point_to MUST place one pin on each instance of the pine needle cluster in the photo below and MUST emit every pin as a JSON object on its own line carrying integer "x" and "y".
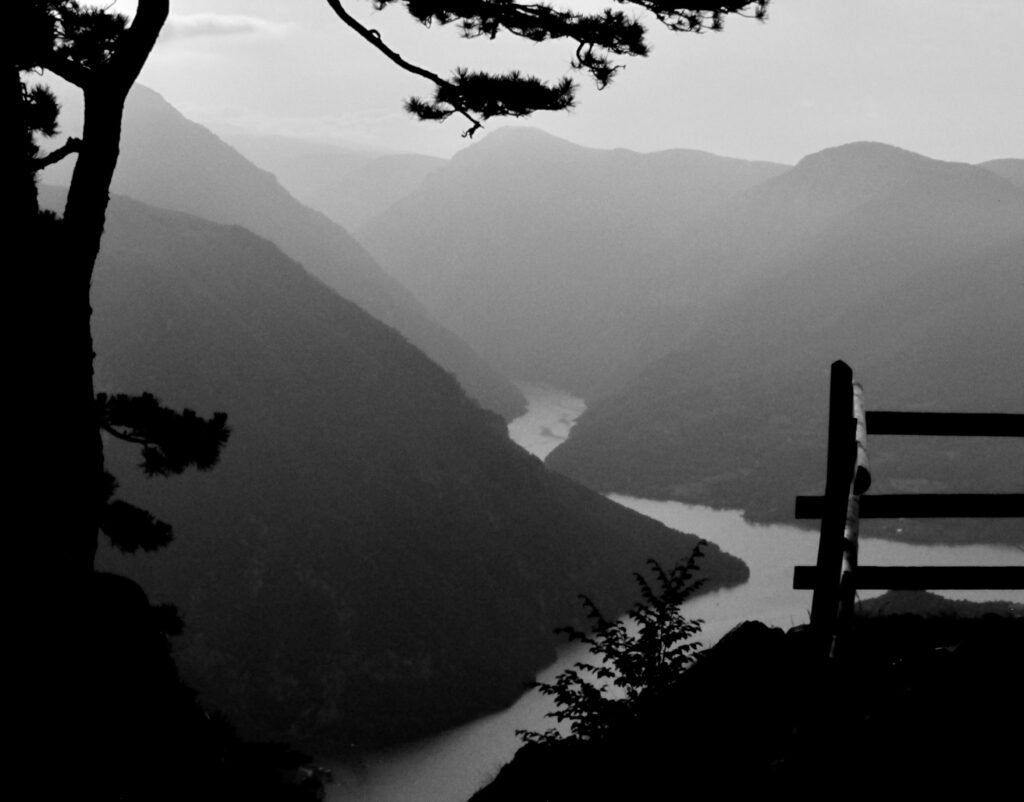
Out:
{"x": 596, "y": 42}
{"x": 171, "y": 442}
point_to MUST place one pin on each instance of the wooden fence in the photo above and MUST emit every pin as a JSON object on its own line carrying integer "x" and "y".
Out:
{"x": 837, "y": 576}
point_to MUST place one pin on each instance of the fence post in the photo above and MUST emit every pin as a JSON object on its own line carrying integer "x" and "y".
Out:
{"x": 861, "y": 481}
{"x": 839, "y": 474}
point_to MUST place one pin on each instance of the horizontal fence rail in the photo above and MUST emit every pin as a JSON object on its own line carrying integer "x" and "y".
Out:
{"x": 873, "y": 577}
{"x": 947, "y": 424}
{"x": 924, "y": 505}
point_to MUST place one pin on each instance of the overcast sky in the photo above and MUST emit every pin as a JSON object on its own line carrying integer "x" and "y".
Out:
{"x": 941, "y": 77}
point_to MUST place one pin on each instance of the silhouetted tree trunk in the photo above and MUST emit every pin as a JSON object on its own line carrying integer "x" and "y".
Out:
{"x": 54, "y": 439}
{"x": 66, "y": 361}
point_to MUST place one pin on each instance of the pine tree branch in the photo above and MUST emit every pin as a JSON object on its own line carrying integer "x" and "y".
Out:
{"x": 121, "y": 435}
{"x": 599, "y": 36}
{"x": 698, "y": 17}
{"x": 609, "y": 32}
{"x": 73, "y": 145}
{"x": 171, "y": 441}
{"x": 131, "y": 528}
{"x": 69, "y": 70}
{"x": 373, "y": 37}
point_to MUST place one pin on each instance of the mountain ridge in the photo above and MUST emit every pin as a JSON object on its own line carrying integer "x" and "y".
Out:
{"x": 350, "y": 186}
{"x": 915, "y": 285}
{"x": 174, "y": 163}
{"x": 538, "y": 251}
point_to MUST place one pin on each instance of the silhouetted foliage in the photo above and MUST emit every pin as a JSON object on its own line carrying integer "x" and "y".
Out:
{"x": 32, "y": 109}
{"x": 597, "y": 38}
{"x": 171, "y": 441}
{"x": 131, "y": 528}
{"x": 642, "y": 653}
{"x": 74, "y": 41}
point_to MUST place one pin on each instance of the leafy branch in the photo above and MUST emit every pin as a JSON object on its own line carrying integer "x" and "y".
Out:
{"x": 171, "y": 443}
{"x": 643, "y": 652}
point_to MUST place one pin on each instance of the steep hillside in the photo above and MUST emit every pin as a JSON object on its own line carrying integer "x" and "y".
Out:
{"x": 557, "y": 262}
{"x": 174, "y": 163}
{"x": 372, "y": 559}
{"x": 915, "y": 280}
{"x": 351, "y": 187}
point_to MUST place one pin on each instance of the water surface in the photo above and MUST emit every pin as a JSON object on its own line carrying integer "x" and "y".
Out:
{"x": 453, "y": 765}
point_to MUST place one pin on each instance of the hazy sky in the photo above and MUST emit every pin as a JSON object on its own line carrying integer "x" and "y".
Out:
{"x": 941, "y": 77}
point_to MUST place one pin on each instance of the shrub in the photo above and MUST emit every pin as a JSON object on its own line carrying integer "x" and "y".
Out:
{"x": 643, "y": 652}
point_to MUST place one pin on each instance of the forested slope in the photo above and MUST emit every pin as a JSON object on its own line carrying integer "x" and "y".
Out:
{"x": 372, "y": 559}
{"x": 174, "y": 163}
{"x": 911, "y": 271}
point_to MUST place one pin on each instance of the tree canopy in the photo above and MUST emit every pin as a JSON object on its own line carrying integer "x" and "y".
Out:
{"x": 597, "y": 41}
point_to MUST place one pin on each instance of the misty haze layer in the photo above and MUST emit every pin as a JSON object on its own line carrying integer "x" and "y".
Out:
{"x": 349, "y": 186}
{"x": 911, "y": 270}
{"x": 174, "y": 163}
{"x": 559, "y": 263}
{"x": 697, "y": 302}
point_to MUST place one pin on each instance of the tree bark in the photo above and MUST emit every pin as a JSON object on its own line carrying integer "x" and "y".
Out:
{"x": 54, "y": 434}
{"x": 76, "y": 527}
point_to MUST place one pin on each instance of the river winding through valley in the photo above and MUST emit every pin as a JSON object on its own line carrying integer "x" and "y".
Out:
{"x": 451, "y": 766}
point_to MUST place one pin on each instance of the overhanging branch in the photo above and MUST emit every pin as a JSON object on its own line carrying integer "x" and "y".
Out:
{"x": 373, "y": 37}
{"x": 67, "y": 69}
{"x": 71, "y": 146}
{"x": 122, "y": 435}
{"x": 598, "y": 38}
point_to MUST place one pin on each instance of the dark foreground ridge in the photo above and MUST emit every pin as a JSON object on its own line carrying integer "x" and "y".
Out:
{"x": 136, "y": 731}
{"x": 926, "y": 704}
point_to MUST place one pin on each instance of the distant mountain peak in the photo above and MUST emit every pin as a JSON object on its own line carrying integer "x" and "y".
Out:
{"x": 839, "y": 179}
{"x": 876, "y": 156}
{"x": 520, "y": 133}
{"x": 147, "y": 101}
{"x": 516, "y": 139}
